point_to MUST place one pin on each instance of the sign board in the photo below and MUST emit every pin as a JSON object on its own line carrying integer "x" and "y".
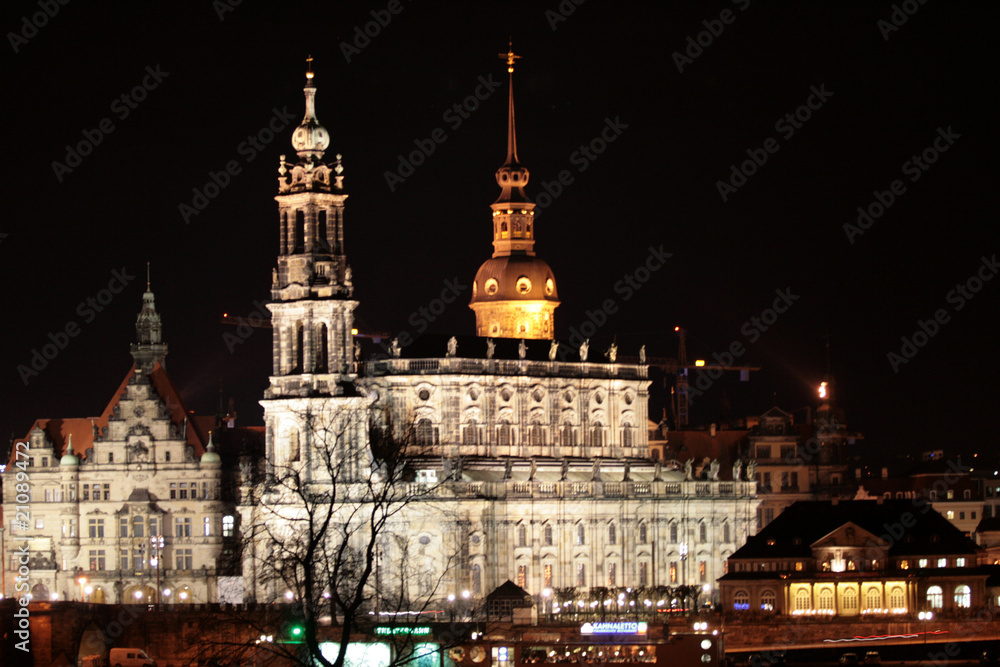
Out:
{"x": 403, "y": 630}
{"x": 614, "y": 628}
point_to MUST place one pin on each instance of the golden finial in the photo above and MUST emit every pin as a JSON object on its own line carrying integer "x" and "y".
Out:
{"x": 510, "y": 56}
{"x": 309, "y": 67}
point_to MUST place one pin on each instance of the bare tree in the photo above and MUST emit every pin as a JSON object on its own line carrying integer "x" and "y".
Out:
{"x": 330, "y": 539}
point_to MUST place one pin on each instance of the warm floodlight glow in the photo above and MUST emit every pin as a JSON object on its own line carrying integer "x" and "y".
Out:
{"x": 699, "y": 362}
{"x": 822, "y": 390}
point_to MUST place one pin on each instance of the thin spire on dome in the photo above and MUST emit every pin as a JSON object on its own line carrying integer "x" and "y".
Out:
{"x": 310, "y": 139}
{"x": 510, "y": 57}
{"x": 147, "y": 276}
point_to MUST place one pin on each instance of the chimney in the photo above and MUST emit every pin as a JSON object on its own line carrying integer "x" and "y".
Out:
{"x": 885, "y": 472}
{"x": 711, "y": 430}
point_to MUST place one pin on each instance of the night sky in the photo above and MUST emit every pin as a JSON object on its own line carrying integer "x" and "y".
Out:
{"x": 680, "y": 116}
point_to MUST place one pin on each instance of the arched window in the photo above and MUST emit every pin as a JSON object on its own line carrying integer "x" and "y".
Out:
{"x": 522, "y": 535}
{"x": 873, "y": 599}
{"x": 673, "y": 533}
{"x": 299, "y": 244}
{"x": 504, "y": 434}
{"x": 851, "y": 599}
{"x": 537, "y": 435}
{"x": 702, "y": 532}
{"x": 470, "y": 434}
{"x": 627, "y": 436}
{"x": 725, "y": 532}
{"x": 642, "y": 533}
{"x": 826, "y": 598}
{"x": 897, "y": 599}
{"x": 581, "y": 535}
{"x": 767, "y": 600}
{"x": 656, "y": 454}
{"x": 322, "y": 349}
{"x": 741, "y": 601}
{"x": 568, "y": 435}
{"x": 547, "y": 535}
{"x": 597, "y": 436}
{"x": 425, "y": 432}
{"x": 935, "y": 597}
{"x": 293, "y": 445}
{"x": 477, "y": 580}
{"x": 963, "y": 597}
{"x": 803, "y": 600}
{"x": 138, "y": 527}
{"x": 612, "y": 534}
{"x": 300, "y": 347}
{"x": 321, "y": 231}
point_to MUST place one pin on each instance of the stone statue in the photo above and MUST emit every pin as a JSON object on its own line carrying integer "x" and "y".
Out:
{"x": 627, "y": 472}
{"x": 584, "y": 349}
{"x": 490, "y": 348}
{"x": 348, "y": 274}
{"x": 553, "y": 350}
{"x": 713, "y": 470}
{"x": 612, "y": 353}
{"x": 395, "y": 348}
{"x": 452, "y": 346}
{"x": 642, "y": 354}
{"x": 751, "y": 470}
{"x": 737, "y": 470}
{"x": 508, "y": 468}
{"x": 274, "y": 276}
{"x": 657, "y": 469}
{"x": 688, "y": 473}
{"x": 522, "y": 350}
{"x": 597, "y": 470}
{"x": 532, "y": 470}
{"x": 564, "y": 473}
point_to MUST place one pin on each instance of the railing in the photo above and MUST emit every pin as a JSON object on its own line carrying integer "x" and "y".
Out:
{"x": 506, "y": 367}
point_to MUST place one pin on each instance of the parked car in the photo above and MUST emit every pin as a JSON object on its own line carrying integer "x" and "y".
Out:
{"x": 849, "y": 659}
{"x": 873, "y": 658}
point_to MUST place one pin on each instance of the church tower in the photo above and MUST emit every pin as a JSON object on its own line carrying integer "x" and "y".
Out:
{"x": 311, "y": 305}
{"x": 514, "y": 293}
{"x": 150, "y": 348}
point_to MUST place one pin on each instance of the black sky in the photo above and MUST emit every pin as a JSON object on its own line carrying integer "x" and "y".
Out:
{"x": 654, "y": 185}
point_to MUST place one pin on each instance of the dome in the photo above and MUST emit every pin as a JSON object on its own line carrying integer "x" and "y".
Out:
{"x": 514, "y": 278}
{"x": 210, "y": 455}
{"x": 69, "y": 459}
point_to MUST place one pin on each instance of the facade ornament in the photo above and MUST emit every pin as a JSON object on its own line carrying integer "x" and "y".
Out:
{"x": 611, "y": 354}
{"x": 452, "y": 346}
{"x": 564, "y": 473}
{"x": 584, "y": 349}
{"x": 627, "y": 472}
{"x": 522, "y": 350}
{"x": 395, "y": 348}
{"x": 737, "y": 470}
{"x": 751, "y": 470}
{"x": 642, "y": 354}
{"x": 657, "y": 469}
{"x": 597, "y": 470}
{"x": 713, "y": 470}
{"x": 348, "y": 274}
{"x": 490, "y": 348}
{"x": 553, "y": 350}
{"x": 688, "y": 472}
{"x": 508, "y": 470}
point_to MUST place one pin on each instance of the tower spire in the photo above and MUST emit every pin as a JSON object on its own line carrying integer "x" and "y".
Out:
{"x": 511, "y": 57}
{"x": 310, "y": 138}
{"x": 149, "y": 348}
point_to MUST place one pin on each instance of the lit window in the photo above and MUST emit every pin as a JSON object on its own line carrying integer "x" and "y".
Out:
{"x": 522, "y": 576}
{"x": 208, "y": 527}
{"x": 741, "y": 601}
{"x": 673, "y": 572}
{"x": 959, "y": 562}
{"x": 904, "y": 565}
{"x": 523, "y": 285}
{"x": 581, "y": 535}
{"x": 767, "y": 601}
{"x": 802, "y": 599}
{"x": 798, "y": 566}
{"x": 922, "y": 563}
{"x": 581, "y": 574}
{"x": 227, "y": 525}
{"x": 942, "y": 562}
{"x": 935, "y": 597}
{"x": 950, "y": 515}
{"x": 612, "y": 572}
{"x": 850, "y": 599}
{"x": 548, "y": 575}
{"x": 963, "y": 597}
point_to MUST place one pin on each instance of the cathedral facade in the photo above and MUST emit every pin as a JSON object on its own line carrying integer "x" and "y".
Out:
{"x": 521, "y": 466}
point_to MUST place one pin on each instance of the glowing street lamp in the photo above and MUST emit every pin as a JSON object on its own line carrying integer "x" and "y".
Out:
{"x": 83, "y": 583}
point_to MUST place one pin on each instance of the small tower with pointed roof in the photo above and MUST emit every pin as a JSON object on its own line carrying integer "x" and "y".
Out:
{"x": 311, "y": 291}
{"x": 150, "y": 348}
{"x": 514, "y": 294}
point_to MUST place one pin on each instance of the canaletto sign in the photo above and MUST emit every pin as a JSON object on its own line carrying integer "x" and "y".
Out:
{"x": 616, "y": 628}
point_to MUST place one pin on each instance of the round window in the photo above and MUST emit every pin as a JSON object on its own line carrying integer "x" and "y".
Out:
{"x": 492, "y": 286}
{"x": 523, "y": 285}
{"x": 505, "y": 394}
{"x": 424, "y": 539}
{"x": 550, "y": 287}
{"x": 424, "y": 394}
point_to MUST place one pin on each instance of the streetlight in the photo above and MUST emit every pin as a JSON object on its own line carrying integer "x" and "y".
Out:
{"x": 684, "y": 556}
{"x": 155, "y": 551}
{"x": 83, "y": 582}
{"x": 546, "y": 605}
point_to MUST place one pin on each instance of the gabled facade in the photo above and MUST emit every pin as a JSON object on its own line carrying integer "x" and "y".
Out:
{"x": 123, "y": 506}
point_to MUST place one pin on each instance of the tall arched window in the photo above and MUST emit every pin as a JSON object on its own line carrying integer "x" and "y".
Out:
{"x": 293, "y": 445}
{"x": 725, "y": 532}
{"x": 803, "y": 600}
{"x": 597, "y": 436}
{"x": 568, "y": 435}
{"x": 477, "y": 580}
{"x": 470, "y": 434}
{"x": 322, "y": 349}
{"x": 425, "y": 433}
{"x": 673, "y": 533}
{"x": 300, "y": 347}
{"x": 873, "y": 599}
{"x": 642, "y": 533}
{"x": 963, "y": 597}
{"x": 321, "y": 231}
{"x": 581, "y": 535}
{"x": 537, "y": 435}
{"x": 741, "y": 601}
{"x": 935, "y": 597}
{"x": 522, "y": 535}
{"x": 547, "y": 535}
{"x": 851, "y": 599}
{"x": 897, "y": 599}
{"x": 767, "y": 600}
{"x": 504, "y": 434}
{"x": 702, "y": 532}
{"x": 612, "y": 534}
{"x": 826, "y": 598}
{"x": 299, "y": 245}
{"x": 627, "y": 435}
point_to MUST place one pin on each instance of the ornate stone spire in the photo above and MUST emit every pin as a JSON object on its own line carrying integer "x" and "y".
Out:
{"x": 511, "y": 177}
{"x": 310, "y": 138}
{"x": 149, "y": 348}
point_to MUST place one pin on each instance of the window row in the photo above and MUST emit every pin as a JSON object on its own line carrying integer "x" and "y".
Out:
{"x": 138, "y": 559}
{"x": 642, "y": 534}
{"x": 506, "y": 434}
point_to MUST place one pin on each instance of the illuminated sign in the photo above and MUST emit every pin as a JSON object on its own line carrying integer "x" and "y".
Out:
{"x": 403, "y": 630}
{"x": 614, "y": 628}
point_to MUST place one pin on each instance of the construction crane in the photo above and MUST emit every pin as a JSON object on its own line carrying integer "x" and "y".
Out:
{"x": 679, "y": 367}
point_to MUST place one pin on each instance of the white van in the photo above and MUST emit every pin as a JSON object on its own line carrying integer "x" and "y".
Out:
{"x": 130, "y": 657}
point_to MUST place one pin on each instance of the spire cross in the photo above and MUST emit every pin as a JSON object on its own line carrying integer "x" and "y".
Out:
{"x": 147, "y": 276}
{"x": 309, "y": 67}
{"x": 510, "y": 56}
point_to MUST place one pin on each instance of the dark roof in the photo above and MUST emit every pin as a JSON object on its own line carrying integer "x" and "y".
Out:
{"x": 988, "y": 524}
{"x": 805, "y": 522}
{"x": 508, "y": 590}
